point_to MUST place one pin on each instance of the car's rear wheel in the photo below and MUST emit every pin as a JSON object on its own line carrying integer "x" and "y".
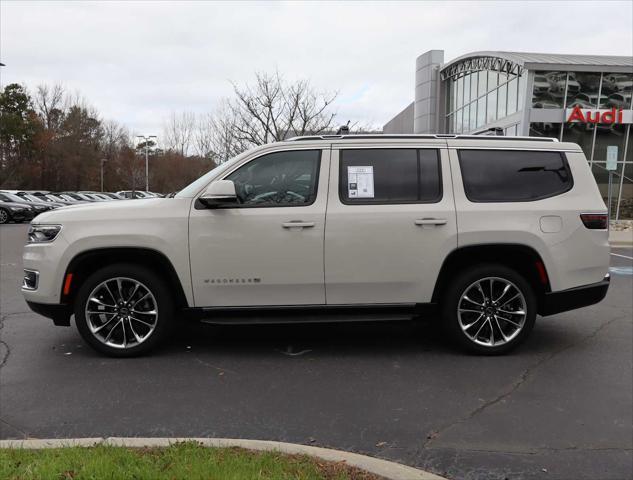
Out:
{"x": 489, "y": 309}
{"x": 4, "y": 216}
{"x": 123, "y": 310}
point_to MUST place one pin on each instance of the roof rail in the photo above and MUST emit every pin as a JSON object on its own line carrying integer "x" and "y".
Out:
{"x": 419, "y": 136}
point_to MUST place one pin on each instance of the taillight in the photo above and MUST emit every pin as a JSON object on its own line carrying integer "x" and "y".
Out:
{"x": 595, "y": 221}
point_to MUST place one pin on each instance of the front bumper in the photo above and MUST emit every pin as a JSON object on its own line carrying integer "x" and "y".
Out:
{"x": 59, "y": 313}
{"x": 578, "y": 297}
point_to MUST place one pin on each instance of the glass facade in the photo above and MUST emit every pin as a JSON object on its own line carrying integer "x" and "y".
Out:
{"x": 479, "y": 98}
{"x": 484, "y": 97}
{"x": 586, "y": 90}
{"x": 592, "y": 91}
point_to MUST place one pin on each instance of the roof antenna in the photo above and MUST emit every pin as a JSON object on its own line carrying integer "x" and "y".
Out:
{"x": 343, "y": 129}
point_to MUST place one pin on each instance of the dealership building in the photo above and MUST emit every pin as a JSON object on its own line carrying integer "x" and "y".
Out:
{"x": 585, "y": 99}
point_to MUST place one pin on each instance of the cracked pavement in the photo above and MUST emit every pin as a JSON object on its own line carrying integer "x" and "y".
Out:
{"x": 558, "y": 408}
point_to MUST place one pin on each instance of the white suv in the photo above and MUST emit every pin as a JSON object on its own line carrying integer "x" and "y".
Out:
{"x": 486, "y": 231}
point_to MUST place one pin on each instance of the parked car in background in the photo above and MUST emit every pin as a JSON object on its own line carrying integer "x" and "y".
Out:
{"x": 11, "y": 196}
{"x": 541, "y": 85}
{"x": 101, "y": 196}
{"x": 68, "y": 199}
{"x": 41, "y": 197}
{"x": 618, "y": 83}
{"x": 80, "y": 196}
{"x": 620, "y": 99}
{"x": 137, "y": 194}
{"x": 558, "y": 80}
{"x": 112, "y": 196}
{"x": 15, "y": 212}
{"x": 38, "y": 207}
{"x": 590, "y": 99}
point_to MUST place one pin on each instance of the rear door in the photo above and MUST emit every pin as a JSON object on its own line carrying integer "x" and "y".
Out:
{"x": 390, "y": 223}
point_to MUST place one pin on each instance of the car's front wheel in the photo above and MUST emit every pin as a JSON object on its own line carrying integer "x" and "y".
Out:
{"x": 123, "y": 310}
{"x": 489, "y": 309}
{"x": 4, "y": 216}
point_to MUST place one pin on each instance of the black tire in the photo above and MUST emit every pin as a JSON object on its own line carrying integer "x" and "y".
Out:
{"x": 160, "y": 294}
{"x": 5, "y": 216}
{"x": 469, "y": 279}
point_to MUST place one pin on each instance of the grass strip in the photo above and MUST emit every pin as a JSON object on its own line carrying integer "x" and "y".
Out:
{"x": 187, "y": 460}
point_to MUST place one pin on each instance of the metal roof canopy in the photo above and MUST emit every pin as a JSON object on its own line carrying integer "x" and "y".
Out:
{"x": 516, "y": 62}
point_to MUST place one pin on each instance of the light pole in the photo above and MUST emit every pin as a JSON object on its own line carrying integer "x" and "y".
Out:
{"x": 146, "y": 138}
{"x": 103, "y": 160}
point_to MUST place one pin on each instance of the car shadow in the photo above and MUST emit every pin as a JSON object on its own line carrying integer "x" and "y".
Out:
{"x": 357, "y": 338}
{"x": 353, "y": 338}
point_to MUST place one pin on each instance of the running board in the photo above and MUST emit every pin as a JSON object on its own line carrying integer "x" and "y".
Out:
{"x": 308, "y": 313}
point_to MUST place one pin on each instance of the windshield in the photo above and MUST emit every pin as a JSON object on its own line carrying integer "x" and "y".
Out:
{"x": 32, "y": 198}
{"x": 193, "y": 188}
{"x": 11, "y": 197}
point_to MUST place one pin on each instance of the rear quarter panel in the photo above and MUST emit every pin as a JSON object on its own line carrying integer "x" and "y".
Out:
{"x": 573, "y": 255}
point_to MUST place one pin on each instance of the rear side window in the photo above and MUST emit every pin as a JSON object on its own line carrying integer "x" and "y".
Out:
{"x": 513, "y": 175}
{"x": 384, "y": 176}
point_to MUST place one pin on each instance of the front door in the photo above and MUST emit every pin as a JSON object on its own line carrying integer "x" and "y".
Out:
{"x": 390, "y": 224}
{"x": 268, "y": 249}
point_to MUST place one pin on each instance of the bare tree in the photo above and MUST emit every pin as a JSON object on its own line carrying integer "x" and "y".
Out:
{"x": 203, "y": 137}
{"x": 178, "y": 132}
{"x": 216, "y": 136}
{"x": 272, "y": 109}
{"x": 49, "y": 104}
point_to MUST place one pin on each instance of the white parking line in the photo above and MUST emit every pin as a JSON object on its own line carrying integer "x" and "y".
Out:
{"x": 623, "y": 256}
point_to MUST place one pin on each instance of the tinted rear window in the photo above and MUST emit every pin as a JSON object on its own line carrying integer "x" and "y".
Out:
{"x": 513, "y": 175}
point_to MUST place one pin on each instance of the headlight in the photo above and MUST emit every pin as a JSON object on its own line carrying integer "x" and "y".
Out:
{"x": 17, "y": 209}
{"x": 43, "y": 233}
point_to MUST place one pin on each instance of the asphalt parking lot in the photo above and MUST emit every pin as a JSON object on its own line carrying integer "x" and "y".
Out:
{"x": 558, "y": 408}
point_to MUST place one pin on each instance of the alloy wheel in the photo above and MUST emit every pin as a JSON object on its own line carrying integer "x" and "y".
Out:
{"x": 121, "y": 312}
{"x": 4, "y": 216}
{"x": 492, "y": 311}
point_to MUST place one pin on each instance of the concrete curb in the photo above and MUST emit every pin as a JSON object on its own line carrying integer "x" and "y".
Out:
{"x": 384, "y": 468}
{"x": 621, "y": 244}
{"x": 621, "y": 238}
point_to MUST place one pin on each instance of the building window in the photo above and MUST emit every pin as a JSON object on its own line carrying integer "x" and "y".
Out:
{"x": 548, "y": 89}
{"x": 491, "y": 110}
{"x": 493, "y": 80}
{"x": 473, "y": 116}
{"x": 617, "y": 89}
{"x": 481, "y": 83}
{"x": 466, "y": 89}
{"x": 501, "y": 101}
{"x": 481, "y": 112}
{"x": 512, "y": 96}
{"x": 587, "y": 93}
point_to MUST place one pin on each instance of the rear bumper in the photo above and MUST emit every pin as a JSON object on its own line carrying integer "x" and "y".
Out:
{"x": 60, "y": 314}
{"x": 578, "y": 297}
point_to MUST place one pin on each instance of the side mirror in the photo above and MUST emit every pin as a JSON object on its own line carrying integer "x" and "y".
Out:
{"x": 219, "y": 194}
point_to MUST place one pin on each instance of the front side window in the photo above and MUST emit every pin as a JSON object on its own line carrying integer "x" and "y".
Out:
{"x": 384, "y": 176}
{"x": 278, "y": 179}
{"x": 513, "y": 175}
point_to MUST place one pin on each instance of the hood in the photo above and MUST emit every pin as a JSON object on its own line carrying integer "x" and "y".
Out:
{"x": 16, "y": 205}
{"x": 108, "y": 211}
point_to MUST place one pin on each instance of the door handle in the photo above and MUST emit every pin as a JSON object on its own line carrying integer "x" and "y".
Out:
{"x": 297, "y": 224}
{"x": 430, "y": 221}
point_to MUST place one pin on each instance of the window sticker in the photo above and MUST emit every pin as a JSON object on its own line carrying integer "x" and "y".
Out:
{"x": 360, "y": 182}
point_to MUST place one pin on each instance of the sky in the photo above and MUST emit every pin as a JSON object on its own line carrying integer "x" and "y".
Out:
{"x": 137, "y": 62}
